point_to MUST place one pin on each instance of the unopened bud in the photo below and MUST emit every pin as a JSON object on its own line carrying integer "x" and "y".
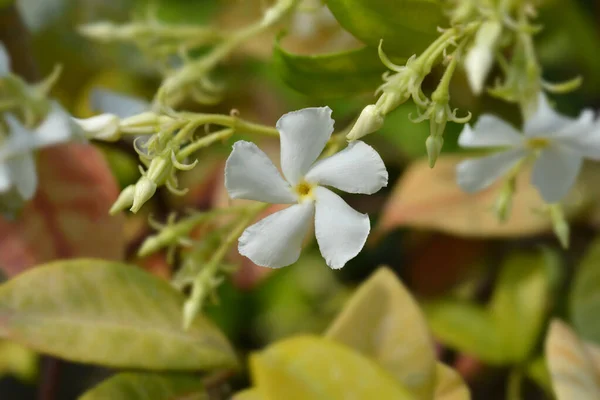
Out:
{"x": 98, "y": 30}
{"x": 144, "y": 190}
{"x": 124, "y": 201}
{"x": 369, "y": 121}
{"x": 101, "y": 127}
{"x": 389, "y": 101}
{"x": 434, "y": 146}
{"x": 146, "y": 122}
{"x": 480, "y": 58}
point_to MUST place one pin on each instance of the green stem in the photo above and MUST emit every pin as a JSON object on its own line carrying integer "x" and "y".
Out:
{"x": 204, "y": 142}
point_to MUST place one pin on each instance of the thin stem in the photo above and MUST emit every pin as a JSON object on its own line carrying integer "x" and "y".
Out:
{"x": 204, "y": 142}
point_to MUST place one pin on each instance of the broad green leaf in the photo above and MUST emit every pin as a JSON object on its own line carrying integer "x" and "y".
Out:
{"x": 384, "y": 322}
{"x": 248, "y": 394}
{"x": 340, "y": 74}
{"x": 107, "y": 313}
{"x": 521, "y": 294}
{"x": 406, "y": 26}
{"x": 449, "y": 384}
{"x": 467, "y": 327}
{"x": 18, "y": 361}
{"x": 574, "y": 370}
{"x": 68, "y": 217}
{"x": 584, "y": 300}
{"x": 309, "y": 367}
{"x": 148, "y": 386}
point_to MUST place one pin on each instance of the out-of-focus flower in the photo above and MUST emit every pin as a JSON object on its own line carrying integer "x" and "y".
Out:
{"x": 341, "y": 231}
{"x": 557, "y": 143}
{"x": 4, "y": 61}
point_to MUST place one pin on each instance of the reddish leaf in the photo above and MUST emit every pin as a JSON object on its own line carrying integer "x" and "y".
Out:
{"x": 68, "y": 217}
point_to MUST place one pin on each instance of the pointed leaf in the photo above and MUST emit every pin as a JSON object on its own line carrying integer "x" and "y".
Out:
{"x": 572, "y": 369}
{"x": 148, "y": 386}
{"x": 107, "y": 313}
{"x": 406, "y": 26}
{"x": 331, "y": 75}
{"x": 308, "y": 367}
{"x": 384, "y": 322}
{"x": 68, "y": 218}
{"x": 584, "y": 298}
{"x": 450, "y": 385}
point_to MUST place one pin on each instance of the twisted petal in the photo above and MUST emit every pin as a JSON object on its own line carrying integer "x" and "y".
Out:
{"x": 555, "y": 172}
{"x": 122, "y": 106}
{"x": 546, "y": 122}
{"x": 304, "y": 134}
{"x": 4, "y": 61}
{"x": 23, "y": 174}
{"x": 477, "y": 174}
{"x": 249, "y": 174}
{"x": 356, "y": 169}
{"x": 489, "y": 131}
{"x": 341, "y": 231}
{"x": 276, "y": 240}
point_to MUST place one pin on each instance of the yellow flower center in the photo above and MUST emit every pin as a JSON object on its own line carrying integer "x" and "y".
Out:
{"x": 304, "y": 190}
{"x": 538, "y": 143}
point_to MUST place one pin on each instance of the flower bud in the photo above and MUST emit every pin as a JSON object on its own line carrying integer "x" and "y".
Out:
{"x": 145, "y": 122}
{"x": 124, "y": 201}
{"x": 144, "y": 190}
{"x": 98, "y": 30}
{"x": 480, "y": 58}
{"x": 434, "y": 146}
{"x": 369, "y": 121}
{"x": 101, "y": 127}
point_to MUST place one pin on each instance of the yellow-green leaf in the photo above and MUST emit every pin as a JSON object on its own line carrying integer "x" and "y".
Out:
{"x": 449, "y": 384}
{"x": 308, "y": 367}
{"x": 571, "y": 365}
{"x": 384, "y": 322}
{"x": 148, "y": 386}
{"x": 248, "y": 394}
{"x": 406, "y": 26}
{"x": 18, "y": 361}
{"x": 107, "y": 313}
{"x": 584, "y": 301}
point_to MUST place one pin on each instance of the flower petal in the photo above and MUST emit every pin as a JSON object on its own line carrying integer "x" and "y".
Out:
{"x": 23, "y": 174}
{"x": 341, "y": 231}
{"x": 477, "y": 174}
{"x": 555, "y": 172}
{"x": 56, "y": 128}
{"x": 5, "y": 180}
{"x": 546, "y": 122}
{"x": 490, "y": 131}
{"x": 106, "y": 101}
{"x": 303, "y": 134}
{"x": 102, "y": 127}
{"x": 250, "y": 175}
{"x": 4, "y": 61}
{"x": 276, "y": 240}
{"x": 356, "y": 169}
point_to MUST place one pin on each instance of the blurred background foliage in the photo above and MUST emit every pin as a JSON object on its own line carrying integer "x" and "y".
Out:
{"x": 487, "y": 290}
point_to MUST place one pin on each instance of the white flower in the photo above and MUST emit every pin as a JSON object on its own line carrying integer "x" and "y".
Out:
{"x": 17, "y": 163}
{"x": 4, "y": 61}
{"x": 557, "y": 143}
{"x": 340, "y": 230}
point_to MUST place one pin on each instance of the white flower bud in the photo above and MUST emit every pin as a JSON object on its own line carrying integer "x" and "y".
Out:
{"x": 101, "y": 127}
{"x": 480, "y": 58}
{"x": 144, "y": 190}
{"x": 434, "y": 146}
{"x": 369, "y": 121}
{"x": 124, "y": 201}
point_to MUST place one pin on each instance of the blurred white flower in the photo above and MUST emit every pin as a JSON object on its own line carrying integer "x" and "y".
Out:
{"x": 4, "y": 61}
{"x": 557, "y": 143}
{"x": 341, "y": 231}
{"x": 17, "y": 162}
{"x": 480, "y": 58}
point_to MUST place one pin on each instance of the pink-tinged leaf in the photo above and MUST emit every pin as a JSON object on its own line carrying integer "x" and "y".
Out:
{"x": 68, "y": 217}
{"x": 431, "y": 199}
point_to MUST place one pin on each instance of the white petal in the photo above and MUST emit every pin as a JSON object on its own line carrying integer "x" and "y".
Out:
{"x": 23, "y": 174}
{"x": 341, "y": 231}
{"x": 20, "y": 139}
{"x": 303, "y": 134}
{"x": 109, "y": 102}
{"x": 477, "y": 174}
{"x": 56, "y": 128}
{"x": 249, "y": 174}
{"x": 4, "y": 61}
{"x": 555, "y": 172}
{"x": 545, "y": 122}
{"x": 276, "y": 240}
{"x": 489, "y": 131}
{"x": 102, "y": 127}
{"x": 5, "y": 179}
{"x": 478, "y": 63}
{"x": 356, "y": 169}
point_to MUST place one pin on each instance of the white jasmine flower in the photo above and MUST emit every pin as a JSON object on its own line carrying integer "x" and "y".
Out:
{"x": 341, "y": 231}
{"x": 17, "y": 163}
{"x": 4, "y": 61}
{"x": 557, "y": 143}
{"x": 480, "y": 58}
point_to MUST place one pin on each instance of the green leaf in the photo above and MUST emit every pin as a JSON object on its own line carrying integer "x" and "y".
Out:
{"x": 309, "y": 367}
{"x": 248, "y": 394}
{"x": 107, "y": 313}
{"x": 148, "y": 386}
{"x": 450, "y": 385}
{"x": 406, "y": 26}
{"x": 330, "y": 75}
{"x": 521, "y": 294}
{"x": 18, "y": 361}
{"x": 384, "y": 322}
{"x": 584, "y": 299}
